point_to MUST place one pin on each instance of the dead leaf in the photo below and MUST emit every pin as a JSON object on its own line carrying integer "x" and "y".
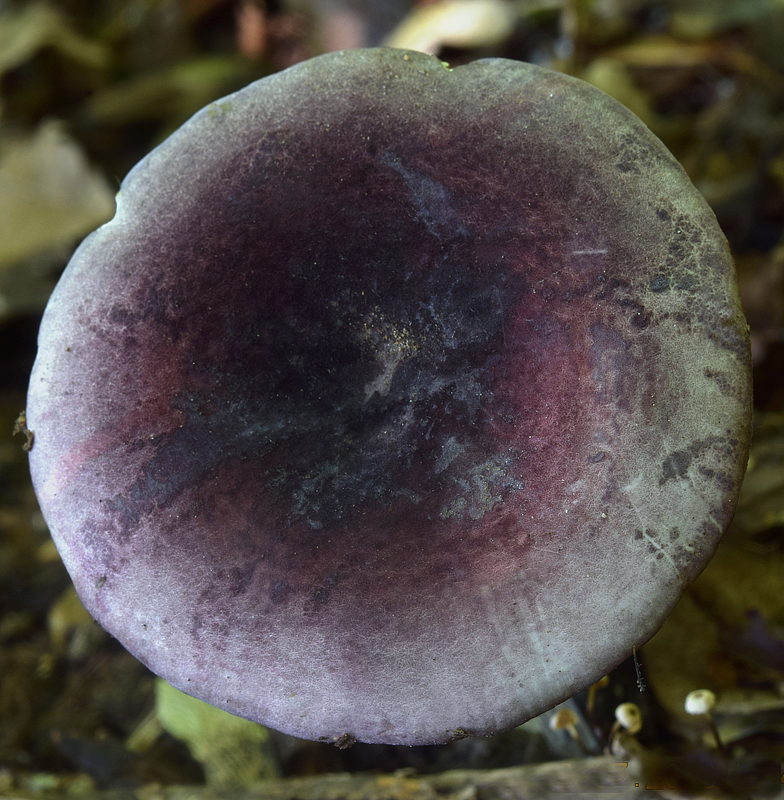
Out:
{"x": 38, "y": 25}
{"x": 761, "y": 503}
{"x": 701, "y": 19}
{"x": 465, "y": 24}
{"x": 693, "y": 649}
{"x": 233, "y": 751}
{"x": 50, "y": 195}
{"x": 611, "y": 76}
{"x": 172, "y": 93}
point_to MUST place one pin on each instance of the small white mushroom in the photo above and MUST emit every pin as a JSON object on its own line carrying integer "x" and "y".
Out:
{"x": 700, "y": 703}
{"x": 629, "y": 717}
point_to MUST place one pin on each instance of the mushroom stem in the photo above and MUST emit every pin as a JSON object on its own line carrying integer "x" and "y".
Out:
{"x": 590, "y": 704}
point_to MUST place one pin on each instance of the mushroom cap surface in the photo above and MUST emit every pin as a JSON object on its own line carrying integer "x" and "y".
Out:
{"x": 396, "y": 403}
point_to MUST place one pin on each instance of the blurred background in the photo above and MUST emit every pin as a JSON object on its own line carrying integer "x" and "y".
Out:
{"x": 87, "y": 88}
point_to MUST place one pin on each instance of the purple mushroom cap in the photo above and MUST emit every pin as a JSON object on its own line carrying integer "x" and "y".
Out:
{"x": 396, "y": 403}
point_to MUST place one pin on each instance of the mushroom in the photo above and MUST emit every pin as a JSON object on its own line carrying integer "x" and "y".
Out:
{"x": 622, "y": 742}
{"x": 700, "y": 703}
{"x": 628, "y": 717}
{"x": 397, "y": 403}
{"x": 565, "y": 718}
